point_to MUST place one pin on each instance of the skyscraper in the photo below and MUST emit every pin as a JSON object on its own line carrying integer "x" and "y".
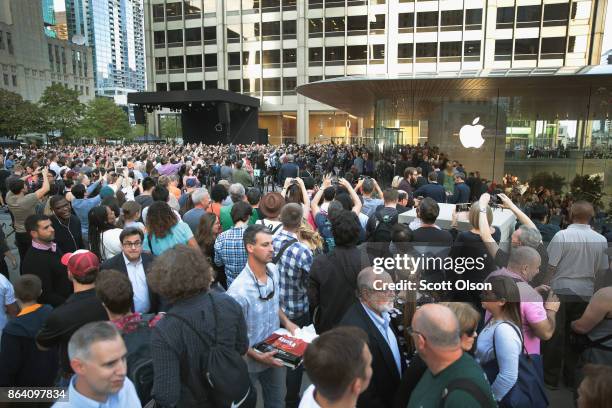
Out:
{"x": 114, "y": 29}
{"x": 48, "y": 13}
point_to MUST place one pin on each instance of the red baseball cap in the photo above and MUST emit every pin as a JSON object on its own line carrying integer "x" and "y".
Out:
{"x": 80, "y": 262}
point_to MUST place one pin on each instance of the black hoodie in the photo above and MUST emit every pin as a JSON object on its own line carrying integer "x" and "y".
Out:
{"x": 23, "y": 364}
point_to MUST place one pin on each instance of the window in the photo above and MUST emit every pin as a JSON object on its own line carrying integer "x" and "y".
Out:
{"x": 334, "y": 3}
{"x": 334, "y": 55}
{"x": 87, "y": 90}
{"x": 473, "y": 19}
{"x": 210, "y": 84}
{"x": 426, "y": 51}
{"x": 158, "y": 13}
{"x": 250, "y": 57}
{"x": 405, "y": 22}
{"x": 210, "y": 62}
{"x": 233, "y": 60}
{"x": 334, "y": 26}
{"x": 289, "y": 5}
{"x": 233, "y": 33}
{"x": 210, "y": 7}
{"x": 377, "y": 25}
{"x": 315, "y": 56}
{"x": 270, "y": 6}
{"x": 194, "y": 63}
{"x": 289, "y": 58}
{"x": 193, "y": 36}
{"x": 210, "y": 35}
{"x": 451, "y": 20}
{"x": 175, "y": 38}
{"x": 450, "y": 51}
{"x": 14, "y": 77}
{"x": 175, "y": 64}
{"x": 357, "y": 25}
{"x": 289, "y": 85}
{"x": 160, "y": 64}
{"x": 177, "y": 86}
{"x": 427, "y": 21}
{"x": 49, "y": 47}
{"x": 193, "y": 9}
{"x": 315, "y": 4}
{"x": 553, "y": 47}
{"x": 503, "y": 50}
{"x": 377, "y": 54}
{"x": 5, "y": 77}
{"x": 471, "y": 50}
{"x": 289, "y": 30}
{"x": 314, "y": 78}
{"x": 270, "y": 30}
{"x": 315, "y": 27}
{"x": 271, "y": 59}
{"x": 159, "y": 87}
{"x": 250, "y": 7}
{"x": 174, "y": 11}
{"x": 404, "y": 53}
{"x": 194, "y": 84}
{"x": 505, "y": 17}
{"x": 526, "y": 48}
{"x": 556, "y": 14}
{"x": 528, "y": 16}
{"x": 356, "y": 54}
{"x": 271, "y": 86}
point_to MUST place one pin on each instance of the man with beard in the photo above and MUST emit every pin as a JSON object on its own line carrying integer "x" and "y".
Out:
{"x": 371, "y": 314}
{"x": 67, "y": 226}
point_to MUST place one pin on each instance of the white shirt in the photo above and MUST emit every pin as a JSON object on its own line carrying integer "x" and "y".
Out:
{"x": 136, "y": 274}
{"x": 7, "y": 297}
{"x": 110, "y": 244}
{"x": 308, "y": 400}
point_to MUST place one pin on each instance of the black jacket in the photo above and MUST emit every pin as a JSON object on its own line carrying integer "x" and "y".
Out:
{"x": 433, "y": 190}
{"x": 332, "y": 287}
{"x": 461, "y": 194}
{"x": 23, "y": 364}
{"x": 385, "y": 377}
{"x": 118, "y": 263}
{"x": 69, "y": 237}
{"x": 48, "y": 267}
{"x": 287, "y": 170}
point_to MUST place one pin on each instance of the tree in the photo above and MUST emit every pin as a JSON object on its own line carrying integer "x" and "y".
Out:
{"x": 170, "y": 127}
{"x": 137, "y": 131}
{"x": 588, "y": 188}
{"x": 551, "y": 181}
{"x": 62, "y": 109}
{"x": 104, "y": 120}
{"x": 18, "y": 116}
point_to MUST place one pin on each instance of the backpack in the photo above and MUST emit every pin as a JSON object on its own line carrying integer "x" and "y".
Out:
{"x": 139, "y": 362}
{"x": 384, "y": 227}
{"x": 468, "y": 386}
{"x": 226, "y": 375}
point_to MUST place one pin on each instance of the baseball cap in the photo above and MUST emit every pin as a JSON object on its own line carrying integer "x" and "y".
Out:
{"x": 80, "y": 262}
{"x": 191, "y": 183}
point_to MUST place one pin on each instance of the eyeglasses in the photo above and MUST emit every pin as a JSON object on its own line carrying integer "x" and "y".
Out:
{"x": 136, "y": 244}
{"x": 269, "y": 295}
{"x": 471, "y": 332}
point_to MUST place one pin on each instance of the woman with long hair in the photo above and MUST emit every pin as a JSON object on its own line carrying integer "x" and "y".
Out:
{"x": 310, "y": 238}
{"x": 130, "y": 214}
{"x": 165, "y": 231}
{"x": 218, "y": 194}
{"x": 103, "y": 235}
{"x": 208, "y": 230}
{"x": 500, "y": 343}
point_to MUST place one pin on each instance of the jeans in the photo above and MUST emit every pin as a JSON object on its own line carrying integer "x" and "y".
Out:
{"x": 271, "y": 381}
{"x": 294, "y": 377}
{"x": 559, "y": 358}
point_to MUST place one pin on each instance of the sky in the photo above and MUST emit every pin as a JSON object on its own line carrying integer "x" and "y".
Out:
{"x": 607, "y": 40}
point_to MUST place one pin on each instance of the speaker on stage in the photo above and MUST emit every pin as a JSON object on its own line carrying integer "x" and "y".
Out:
{"x": 139, "y": 115}
{"x": 223, "y": 111}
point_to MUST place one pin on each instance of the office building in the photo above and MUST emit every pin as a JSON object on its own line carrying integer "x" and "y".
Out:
{"x": 30, "y": 61}
{"x": 114, "y": 30}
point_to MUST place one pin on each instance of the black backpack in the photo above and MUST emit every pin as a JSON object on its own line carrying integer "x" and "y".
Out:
{"x": 384, "y": 227}
{"x": 226, "y": 375}
{"x": 137, "y": 339}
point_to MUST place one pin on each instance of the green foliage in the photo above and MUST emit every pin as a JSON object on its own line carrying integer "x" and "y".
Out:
{"x": 104, "y": 120}
{"x": 588, "y": 188}
{"x": 170, "y": 126}
{"x": 547, "y": 180}
{"x": 62, "y": 109}
{"x": 18, "y": 116}
{"x": 137, "y": 131}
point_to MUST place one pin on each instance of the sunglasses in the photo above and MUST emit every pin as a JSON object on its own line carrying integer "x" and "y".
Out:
{"x": 471, "y": 332}
{"x": 269, "y": 295}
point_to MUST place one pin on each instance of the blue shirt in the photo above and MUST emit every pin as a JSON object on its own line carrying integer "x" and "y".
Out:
{"x": 231, "y": 253}
{"x": 126, "y": 397}
{"x": 293, "y": 268}
{"x": 382, "y": 324}
{"x": 180, "y": 233}
{"x": 261, "y": 316}
{"x": 81, "y": 207}
{"x": 193, "y": 217}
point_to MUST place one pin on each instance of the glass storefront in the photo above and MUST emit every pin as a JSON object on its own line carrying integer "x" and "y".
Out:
{"x": 282, "y": 126}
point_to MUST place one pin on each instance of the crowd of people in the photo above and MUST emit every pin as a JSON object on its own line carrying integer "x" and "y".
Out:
{"x": 148, "y": 274}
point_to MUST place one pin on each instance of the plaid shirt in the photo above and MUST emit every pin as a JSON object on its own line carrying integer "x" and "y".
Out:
{"x": 293, "y": 268}
{"x": 230, "y": 252}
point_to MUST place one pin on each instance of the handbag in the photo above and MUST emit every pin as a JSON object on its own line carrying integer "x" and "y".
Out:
{"x": 528, "y": 391}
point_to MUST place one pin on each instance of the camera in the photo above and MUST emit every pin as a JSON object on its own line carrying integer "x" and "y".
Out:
{"x": 463, "y": 207}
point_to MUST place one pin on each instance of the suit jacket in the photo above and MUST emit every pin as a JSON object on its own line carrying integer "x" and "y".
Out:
{"x": 288, "y": 170}
{"x": 118, "y": 263}
{"x": 385, "y": 377}
{"x": 461, "y": 194}
{"x": 433, "y": 190}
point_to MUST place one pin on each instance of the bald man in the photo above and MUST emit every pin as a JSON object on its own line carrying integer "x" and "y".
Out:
{"x": 452, "y": 379}
{"x": 371, "y": 314}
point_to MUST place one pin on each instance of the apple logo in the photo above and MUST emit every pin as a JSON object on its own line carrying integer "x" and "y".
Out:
{"x": 471, "y": 135}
